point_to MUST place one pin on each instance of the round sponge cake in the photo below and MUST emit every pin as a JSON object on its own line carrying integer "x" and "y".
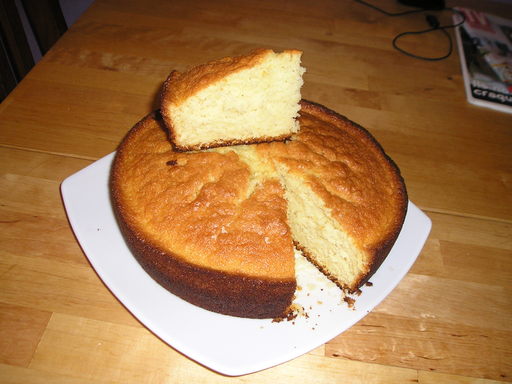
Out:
{"x": 218, "y": 227}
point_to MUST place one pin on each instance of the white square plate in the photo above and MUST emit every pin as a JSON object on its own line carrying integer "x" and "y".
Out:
{"x": 229, "y": 345}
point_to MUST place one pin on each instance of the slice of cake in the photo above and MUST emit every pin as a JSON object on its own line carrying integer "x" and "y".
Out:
{"x": 235, "y": 100}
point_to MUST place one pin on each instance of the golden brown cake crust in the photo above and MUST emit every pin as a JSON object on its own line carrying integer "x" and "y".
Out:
{"x": 229, "y": 294}
{"x": 188, "y": 83}
{"x": 181, "y": 85}
{"x": 190, "y": 225}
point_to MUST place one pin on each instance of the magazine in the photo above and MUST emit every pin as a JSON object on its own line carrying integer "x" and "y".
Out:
{"x": 485, "y": 50}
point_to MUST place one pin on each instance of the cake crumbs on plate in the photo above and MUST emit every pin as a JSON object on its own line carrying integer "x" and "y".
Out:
{"x": 350, "y": 301}
{"x": 294, "y": 311}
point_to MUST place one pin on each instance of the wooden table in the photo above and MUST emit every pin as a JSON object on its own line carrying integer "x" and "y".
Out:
{"x": 449, "y": 320}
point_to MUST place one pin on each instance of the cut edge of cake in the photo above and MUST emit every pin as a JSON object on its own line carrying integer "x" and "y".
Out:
{"x": 367, "y": 259}
{"x": 235, "y": 100}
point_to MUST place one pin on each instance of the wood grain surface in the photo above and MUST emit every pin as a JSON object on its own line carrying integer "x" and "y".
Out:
{"x": 448, "y": 321}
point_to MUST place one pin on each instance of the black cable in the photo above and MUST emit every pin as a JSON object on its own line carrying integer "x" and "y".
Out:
{"x": 434, "y": 26}
{"x": 450, "y": 48}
